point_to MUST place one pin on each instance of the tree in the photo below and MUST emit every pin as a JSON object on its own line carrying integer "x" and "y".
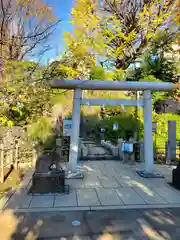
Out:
{"x": 25, "y": 98}
{"x": 161, "y": 60}
{"x": 78, "y": 43}
{"x": 176, "y": 19}
{"x": 64, "y": 68}
{"x": 71, "y": 65}
{"x": 25, "y": 27}
{"x": 119, "y": 30}
{"x": 159, "y": 63}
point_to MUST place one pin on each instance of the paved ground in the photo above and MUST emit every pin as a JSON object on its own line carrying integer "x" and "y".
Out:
{"x": 106, "y": 185}
{"x": 98, "y": 151}
{"x": 152, "y": 224}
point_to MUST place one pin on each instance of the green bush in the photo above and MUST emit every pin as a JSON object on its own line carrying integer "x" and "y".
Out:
{"x": 41, "y": 130}
{"x": 127, "y": 125}
{"x": 97, "y": 73}
{"x": 162, "y": 127}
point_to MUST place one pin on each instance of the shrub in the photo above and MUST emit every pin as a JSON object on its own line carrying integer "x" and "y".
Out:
{"x": 162, "y": 127}
{"x": 41, "y": 130}
{"x": 127, "y": 125}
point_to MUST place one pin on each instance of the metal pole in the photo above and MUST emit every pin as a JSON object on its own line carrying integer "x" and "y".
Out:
{"x": 73, "y": 156}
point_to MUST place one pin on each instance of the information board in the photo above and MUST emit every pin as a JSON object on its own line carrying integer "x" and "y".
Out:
{"x": 67, "y": 127}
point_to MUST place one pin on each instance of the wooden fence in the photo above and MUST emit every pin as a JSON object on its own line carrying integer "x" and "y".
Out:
{"x": 11, "y": 156}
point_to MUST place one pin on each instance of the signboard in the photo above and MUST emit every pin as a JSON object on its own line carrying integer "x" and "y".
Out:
{"x": 115, "y": 126}
{"x": 67, "y": 127}
{"x": 154, "y": 127}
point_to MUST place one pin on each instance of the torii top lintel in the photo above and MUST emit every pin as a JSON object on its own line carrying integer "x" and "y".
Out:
{"x": 113, "y": 85}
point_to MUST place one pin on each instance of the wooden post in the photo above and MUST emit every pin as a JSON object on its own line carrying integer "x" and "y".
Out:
{"x": 11, "y": 156}
{"x": 2, "y": 161}
{"x": 16, "y": 154}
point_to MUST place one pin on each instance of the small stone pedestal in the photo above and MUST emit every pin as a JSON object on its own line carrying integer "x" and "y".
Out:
{"x": 53, "y": 182}
{"x": 49, "y": 177}
{"x": 146, "y": 174}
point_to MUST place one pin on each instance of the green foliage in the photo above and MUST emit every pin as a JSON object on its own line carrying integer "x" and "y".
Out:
{"x": 159, "y": 63}
{"x": 27, "y": 97}
{"x": 18, "y": 113}
{"x": 114, "y": 31}
{"x": 23, "y": 71}
{"x": 97, "y": 73}
{"x": 62, "y": 70}
{"x": 41, "y": 130}
{"x": 162, "y": 69}
{"x": 119, "y": 75}
{"x": 162, "y": 128}
{"x": 127, "y": 125}
{"x": 4, "y": 121}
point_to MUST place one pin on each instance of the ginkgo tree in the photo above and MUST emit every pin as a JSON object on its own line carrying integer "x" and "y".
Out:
{"x": 118, "y": 30}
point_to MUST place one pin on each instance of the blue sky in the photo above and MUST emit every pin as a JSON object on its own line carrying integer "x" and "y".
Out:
{"x": 62, "y": 10}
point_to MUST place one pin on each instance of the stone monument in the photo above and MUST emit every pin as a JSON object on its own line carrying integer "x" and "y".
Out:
{"x": 171, "y": 144}
{"x": 49, "y": 177}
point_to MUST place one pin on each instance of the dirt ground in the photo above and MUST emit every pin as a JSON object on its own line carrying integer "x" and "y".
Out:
{"x": 12, "y": 180}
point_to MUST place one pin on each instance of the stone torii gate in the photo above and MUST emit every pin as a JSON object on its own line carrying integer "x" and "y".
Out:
{"x": 146, "y": 103}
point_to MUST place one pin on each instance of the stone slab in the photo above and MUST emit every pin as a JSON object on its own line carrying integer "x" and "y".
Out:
{"x": 150, "y": 196}
{"x": 42, "y": 201}
{"x": 95, "y": 173}
{"x": 108, "y": 196}
{"x": 125, "y": 181}
{"x": 51, "y": 209}
{"x": 129, "y": 196}
{"x": 87, "y": 197}
{"x": 97, "y": 164}
{"x": 75, "y": 183}
{"x": 140, "y": 182}
{"x": 133, "y": 181}
{"x": 109, "y": 182}
{"x": 102, "y": 208}
{"x": 109, "y": 172}
{"x": 159, "y": 183}
{"x": 69, "y": 200}
{"x": 16, "y": 202}
{"x": 170, "y": 195}
{"x": 92, "y": 182}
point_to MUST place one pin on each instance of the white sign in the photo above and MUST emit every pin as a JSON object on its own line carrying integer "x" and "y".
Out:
{"x": 115, "y": 126}
{"x": 67, "y": 127}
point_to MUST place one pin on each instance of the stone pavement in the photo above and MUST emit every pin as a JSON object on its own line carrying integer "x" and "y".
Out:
{"x": 131, "y": 224}
{"x": 106, "y": 185}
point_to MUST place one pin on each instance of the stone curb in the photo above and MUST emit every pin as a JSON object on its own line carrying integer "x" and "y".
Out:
{"x": 96, "y": 208}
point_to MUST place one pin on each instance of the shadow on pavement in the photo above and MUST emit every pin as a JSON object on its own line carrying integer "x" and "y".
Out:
{"x": 102, "y": 225}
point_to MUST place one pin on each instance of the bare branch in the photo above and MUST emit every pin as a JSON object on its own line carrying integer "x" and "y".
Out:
{"x": 29, "y": 31}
